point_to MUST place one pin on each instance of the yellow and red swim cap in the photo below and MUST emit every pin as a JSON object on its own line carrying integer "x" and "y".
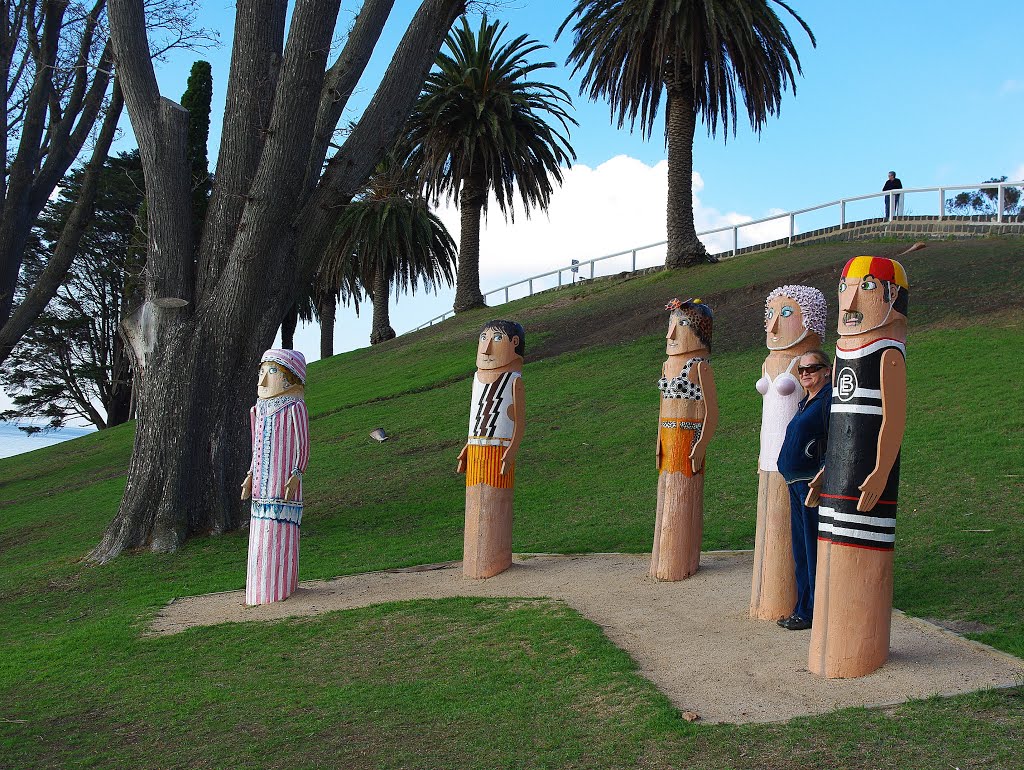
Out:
{"x": 880, "y": 267}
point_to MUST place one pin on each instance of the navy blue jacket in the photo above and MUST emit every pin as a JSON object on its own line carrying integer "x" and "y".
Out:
{"x": 803, "y": 451}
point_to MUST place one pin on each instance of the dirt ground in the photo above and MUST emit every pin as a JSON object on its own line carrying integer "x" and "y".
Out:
{"x": 693, "y": 639}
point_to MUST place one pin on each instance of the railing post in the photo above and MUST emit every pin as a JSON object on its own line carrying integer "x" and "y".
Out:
{"x": 889, "y": 197}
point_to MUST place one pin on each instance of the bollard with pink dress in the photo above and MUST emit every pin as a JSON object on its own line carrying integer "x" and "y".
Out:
{"x": 280, "y": 452}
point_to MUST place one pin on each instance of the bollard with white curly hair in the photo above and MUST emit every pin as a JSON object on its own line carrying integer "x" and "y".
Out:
{"x": 794, "y": 323}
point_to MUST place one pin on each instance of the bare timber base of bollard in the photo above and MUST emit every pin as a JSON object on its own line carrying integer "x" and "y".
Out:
{"x": 773, "y": 588}
{"x": 487, "y": 543}
{"x": 852, "y": 611}
{"x": 679, "y": 526}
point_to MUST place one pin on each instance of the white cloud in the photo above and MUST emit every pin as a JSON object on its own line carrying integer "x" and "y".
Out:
{"x": 1011, "y": 86}
{"x": 617, "y": 206}
{"x": 1018, "y": 174}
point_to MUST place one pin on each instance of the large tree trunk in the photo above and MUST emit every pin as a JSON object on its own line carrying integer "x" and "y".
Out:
{"x": 187, "y": 479}
{"x": 684, "y": 247}
{"x": 264, "y": 234}
{"x": 381, "y": 330}
{"x": 327, "y": 310}
{"x": 467, "y": 287}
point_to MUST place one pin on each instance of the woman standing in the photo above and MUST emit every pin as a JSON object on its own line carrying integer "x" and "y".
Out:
{"x": 689, "y": 415}
{"x": 794, "y": 323}
{"x": 801, "y": 458}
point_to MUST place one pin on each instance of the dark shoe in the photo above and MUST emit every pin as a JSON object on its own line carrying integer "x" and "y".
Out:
{"x": 796, "y": 624}
{"x": 783, "y": 621}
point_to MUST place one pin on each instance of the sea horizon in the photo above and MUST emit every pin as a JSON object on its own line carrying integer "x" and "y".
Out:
{"x": 14, "y": 441}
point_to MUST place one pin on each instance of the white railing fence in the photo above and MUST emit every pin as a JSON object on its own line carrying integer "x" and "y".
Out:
{"x": 756, "y": 231}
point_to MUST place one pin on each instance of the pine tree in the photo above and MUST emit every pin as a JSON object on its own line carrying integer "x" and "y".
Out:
{"x": 197, "y": 99}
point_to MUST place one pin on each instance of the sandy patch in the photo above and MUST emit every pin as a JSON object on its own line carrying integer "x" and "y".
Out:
{"x": 693, "y": 639}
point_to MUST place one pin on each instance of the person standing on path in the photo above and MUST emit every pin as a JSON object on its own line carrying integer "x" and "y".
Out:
{"x": 892, "y": 183}
{"x": 801, "y": 458}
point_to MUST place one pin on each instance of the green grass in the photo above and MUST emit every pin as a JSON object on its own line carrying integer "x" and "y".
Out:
{"x": 505, "y": 683}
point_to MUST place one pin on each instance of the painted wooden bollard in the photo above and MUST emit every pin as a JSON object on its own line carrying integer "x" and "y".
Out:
{"x": 860, "y": 480}
{"x": 688, "y": 418}
{"x": 496, "y": 423}
{"x": 794, "y": 322}
{"x": 280, "y": 452}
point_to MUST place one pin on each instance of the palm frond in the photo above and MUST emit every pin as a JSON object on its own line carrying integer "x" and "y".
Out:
{"x": 724, "y": 51}
{"x": 481, "y": 119}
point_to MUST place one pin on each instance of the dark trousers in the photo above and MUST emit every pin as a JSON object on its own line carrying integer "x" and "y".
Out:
{"x": 895, "y": 200}
{"x": 804, "y": 523}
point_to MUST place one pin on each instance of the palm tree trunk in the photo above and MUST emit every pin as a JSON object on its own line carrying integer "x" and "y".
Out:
{"x": 467, "y": 287}
{"x": 381, "y": 331}
{"x": 684, "y": 247}
{"x": 291, "y": 320}
{"x": 326, "y": 312}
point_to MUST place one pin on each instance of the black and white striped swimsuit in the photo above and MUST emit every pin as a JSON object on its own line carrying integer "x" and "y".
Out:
{"x": 854, "y": 425}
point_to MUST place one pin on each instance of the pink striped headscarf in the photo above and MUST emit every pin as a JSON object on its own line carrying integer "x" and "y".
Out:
{"x": 292, "y": 360}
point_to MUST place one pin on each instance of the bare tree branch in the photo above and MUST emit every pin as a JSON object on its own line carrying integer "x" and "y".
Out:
{"x": 255, "y": 63}
{"x": 67, "y": 245}
{"x": 342, "y": 77}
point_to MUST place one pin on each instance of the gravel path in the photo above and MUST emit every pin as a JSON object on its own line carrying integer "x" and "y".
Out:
{"x": 693, "y": 638}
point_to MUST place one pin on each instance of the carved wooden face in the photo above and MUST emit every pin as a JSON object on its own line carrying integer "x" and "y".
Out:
{"x": 866, "y": 304}
{"x": 496, "y": 350}
{"x": 274, "y": 380}
{"x": 783, "y": 323}
{"x": 681, "y": 337}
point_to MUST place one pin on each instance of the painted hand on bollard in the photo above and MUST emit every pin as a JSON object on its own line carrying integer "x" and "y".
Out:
{"x": 814, "y": 495}
{"x": 291, "y": 488}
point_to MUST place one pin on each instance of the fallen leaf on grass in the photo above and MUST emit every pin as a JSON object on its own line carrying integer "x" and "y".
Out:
{"x": 691, "y": 716}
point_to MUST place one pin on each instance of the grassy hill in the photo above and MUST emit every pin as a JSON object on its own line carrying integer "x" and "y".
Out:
{"x": 487, "y": 683}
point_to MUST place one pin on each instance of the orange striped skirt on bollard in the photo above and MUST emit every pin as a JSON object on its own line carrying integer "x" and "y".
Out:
{"x": 483, "y": 466}
{"x": 677, "y": 440}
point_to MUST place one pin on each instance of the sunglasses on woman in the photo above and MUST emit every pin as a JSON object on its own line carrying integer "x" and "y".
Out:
{"x": 810, "y": 369}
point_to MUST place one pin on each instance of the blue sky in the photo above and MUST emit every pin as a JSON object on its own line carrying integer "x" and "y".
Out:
{"x": 931, "y": 89}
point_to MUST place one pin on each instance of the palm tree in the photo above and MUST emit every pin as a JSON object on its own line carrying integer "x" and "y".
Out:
{"x": 702, "y": 54}
{"x": 319, "y": 303}
{"x": 481, "y": 125}
{"x": 386, "y": 236}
